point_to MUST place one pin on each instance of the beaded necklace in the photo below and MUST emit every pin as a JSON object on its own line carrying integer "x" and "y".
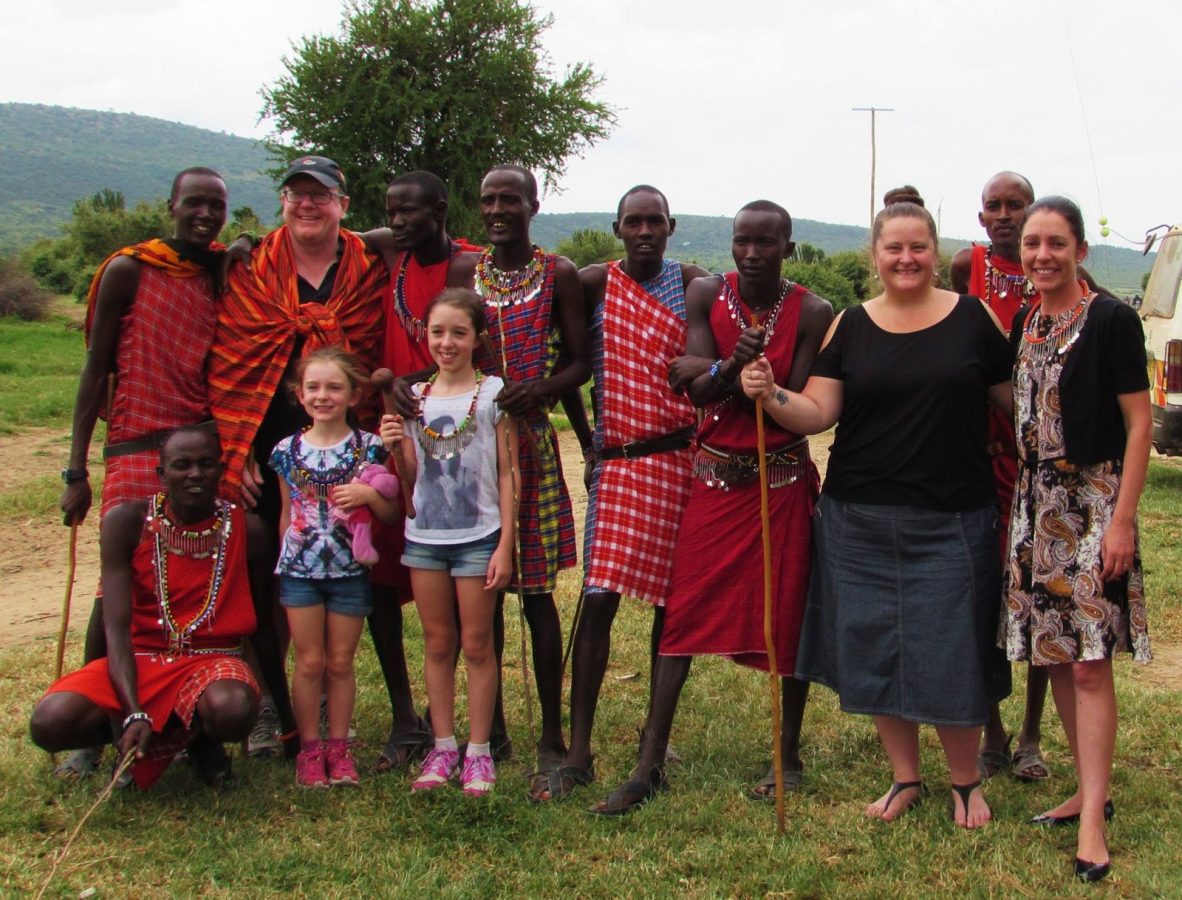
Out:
{"x": 416, "y": 327}
{"x": 182, "y": 542}
{"x": 319, "y": 485}
{"x": 500, "y": 288}
{"x": 739, "y": 315}
{"x": 1002, "y": 283}
{"x": 1061, "y": 331}
{"x": 180, "y": 637}
{"x": 445, "y": 445}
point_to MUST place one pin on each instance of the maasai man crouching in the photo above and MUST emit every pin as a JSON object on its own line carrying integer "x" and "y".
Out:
{"x": 716, "y": 603}
{"x": 533, "y": 306}
{"x": 150, "y": 321}
{"x": 176, "y": 607}
{"x": 644, "y": 426}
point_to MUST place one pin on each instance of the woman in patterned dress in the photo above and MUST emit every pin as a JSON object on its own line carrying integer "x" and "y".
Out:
{"x": 1073, "y": 588}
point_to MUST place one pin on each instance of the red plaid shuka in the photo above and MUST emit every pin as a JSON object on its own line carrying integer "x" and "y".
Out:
{"x": 545, "y": 523}
{"x": 258, "y": 320}
{"x": 639, "y": 501}
{"x": 158, "y": 381}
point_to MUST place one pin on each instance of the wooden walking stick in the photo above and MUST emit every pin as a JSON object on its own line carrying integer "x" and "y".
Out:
{"x": 65, "y": 622}
{"x": 768, "y": 637}
{"x": 383, "y": 380}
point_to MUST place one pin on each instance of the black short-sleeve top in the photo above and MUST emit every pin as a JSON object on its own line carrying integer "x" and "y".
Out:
{"x": 912, "y": 429}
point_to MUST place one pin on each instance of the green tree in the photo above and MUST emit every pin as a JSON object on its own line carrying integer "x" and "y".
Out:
{"x": 589, "y": 245}
{"x": 824, "y": 281}
{"x": 99, "y": 226}
{"x": 452, "y": 86}
{"x": 808, "y": 253}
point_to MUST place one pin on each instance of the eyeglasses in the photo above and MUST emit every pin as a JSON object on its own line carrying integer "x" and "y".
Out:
{"x": 319, "y": 198}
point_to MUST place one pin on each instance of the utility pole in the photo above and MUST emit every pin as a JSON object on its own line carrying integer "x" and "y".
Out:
{"x": 873, "y": 110}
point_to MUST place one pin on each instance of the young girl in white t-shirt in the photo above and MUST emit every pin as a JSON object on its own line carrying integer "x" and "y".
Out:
{"x": 459, "y": 546}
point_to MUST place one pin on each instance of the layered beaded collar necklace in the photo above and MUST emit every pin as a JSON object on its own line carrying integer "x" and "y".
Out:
{"x": 446, "y": 444}
{"x": 738, "y": 312}
{"x": 1046, "y": 337}
{"x": 169, "y": 540}
{"x": 1001, "y": 283}
{"x": 415, "y": 327}
{"x": 319, "y": 485}
{"x": 500, "y": 288}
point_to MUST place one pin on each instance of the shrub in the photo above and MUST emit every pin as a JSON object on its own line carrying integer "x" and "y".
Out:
{"x": 20, "y": 295}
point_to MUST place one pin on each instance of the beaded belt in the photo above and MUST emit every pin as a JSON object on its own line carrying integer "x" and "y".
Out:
{"x": 722, "y": 470}
{"x": 153, "y": 441}
{"x": 678, "y": 440}
{"x": 176, "y": 652}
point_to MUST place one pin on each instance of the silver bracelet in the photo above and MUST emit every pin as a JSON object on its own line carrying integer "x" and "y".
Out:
{"x": 140, "y": 716}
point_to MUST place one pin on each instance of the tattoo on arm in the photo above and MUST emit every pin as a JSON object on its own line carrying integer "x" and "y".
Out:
{"x": 781, "y": 396}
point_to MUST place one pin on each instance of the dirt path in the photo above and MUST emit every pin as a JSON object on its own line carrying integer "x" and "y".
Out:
{"x": 33, "y": 552}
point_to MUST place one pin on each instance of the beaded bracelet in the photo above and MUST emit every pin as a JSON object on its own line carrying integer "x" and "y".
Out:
{"x": 140, "y": 716}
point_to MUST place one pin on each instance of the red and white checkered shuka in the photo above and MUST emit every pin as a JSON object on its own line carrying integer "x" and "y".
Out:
{"x": 639, "y": 501}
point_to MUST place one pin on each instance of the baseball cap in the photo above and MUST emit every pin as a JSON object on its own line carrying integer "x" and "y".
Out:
{"x": 323, "y": 169}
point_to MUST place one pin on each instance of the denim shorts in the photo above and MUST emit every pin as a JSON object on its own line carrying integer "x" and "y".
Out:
{"x": 343, "y": 596}
{"x": 460, "y": 560}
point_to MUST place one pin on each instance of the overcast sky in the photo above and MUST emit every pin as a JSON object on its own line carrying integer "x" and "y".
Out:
{"x": 721, "y": 103}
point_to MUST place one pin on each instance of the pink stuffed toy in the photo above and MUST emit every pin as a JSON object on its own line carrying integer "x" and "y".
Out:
{"x": 359, "y": 521}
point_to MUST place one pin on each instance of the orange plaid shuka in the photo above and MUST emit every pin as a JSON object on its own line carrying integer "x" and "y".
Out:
{"x": 259, "y": 319}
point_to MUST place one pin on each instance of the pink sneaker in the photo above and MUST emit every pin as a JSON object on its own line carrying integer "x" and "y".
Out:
{"x": 310, "y": 772}
{"x": 479, "y": 776}
{"x": 438, "y": 769}
{"x": 338, "y": 762}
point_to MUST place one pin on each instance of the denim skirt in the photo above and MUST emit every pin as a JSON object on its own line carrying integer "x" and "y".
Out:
{"x": 903, "y": 611}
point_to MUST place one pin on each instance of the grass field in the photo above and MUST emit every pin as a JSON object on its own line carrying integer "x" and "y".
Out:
{"x": 704, "y": 839}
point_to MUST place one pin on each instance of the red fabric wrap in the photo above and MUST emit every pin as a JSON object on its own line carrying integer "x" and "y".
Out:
{"x": 639, "y": 502}
{"x": 168, "y": 683}
{"x": 716, "y": 605}
{"x": 259, "y": 319}
{"x": 1003, "y": 448}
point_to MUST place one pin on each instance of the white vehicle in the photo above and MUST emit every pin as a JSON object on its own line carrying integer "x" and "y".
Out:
{"x": 1162, "y": 319}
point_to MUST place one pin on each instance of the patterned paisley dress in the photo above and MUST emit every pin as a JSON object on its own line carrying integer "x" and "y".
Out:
{"x": 1057, "y": 608}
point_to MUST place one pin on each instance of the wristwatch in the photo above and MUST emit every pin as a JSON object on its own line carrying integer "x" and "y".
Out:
{"x": 69, "y": 476}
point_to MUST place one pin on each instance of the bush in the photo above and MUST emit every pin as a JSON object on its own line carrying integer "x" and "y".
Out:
{"x": 19, "y": 294}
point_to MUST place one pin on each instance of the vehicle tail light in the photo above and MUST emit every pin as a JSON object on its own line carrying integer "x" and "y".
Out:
{"x": 1173, "y": 374}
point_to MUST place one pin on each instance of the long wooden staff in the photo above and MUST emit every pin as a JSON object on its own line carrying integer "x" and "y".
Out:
{"x": 65, "y": 622}
{"x": 510, "y": 434}
{"x": 768, "y": 637}
{"x": 383, "y": 380}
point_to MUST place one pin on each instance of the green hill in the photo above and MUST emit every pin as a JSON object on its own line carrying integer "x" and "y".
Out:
{"x": 54, "y": 156}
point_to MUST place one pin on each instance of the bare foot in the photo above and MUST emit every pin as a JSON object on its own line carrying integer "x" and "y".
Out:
{"x": 973, "y": 815}
{"x": 901, "y": 797}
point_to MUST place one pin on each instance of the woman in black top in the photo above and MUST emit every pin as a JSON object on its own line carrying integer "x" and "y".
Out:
{"x": 903, "y": 601}
{"x": 1073, "y": 585}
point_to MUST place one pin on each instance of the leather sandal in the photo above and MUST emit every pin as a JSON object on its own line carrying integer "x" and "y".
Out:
{"x": 554, "y": 784}
{"x": 405, "y": 747}
{"x": 632, "y": 794}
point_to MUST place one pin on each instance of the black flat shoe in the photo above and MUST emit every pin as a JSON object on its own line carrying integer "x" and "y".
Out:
{"x": 1073, "y": 819}
{"x": 1090, "y": 871}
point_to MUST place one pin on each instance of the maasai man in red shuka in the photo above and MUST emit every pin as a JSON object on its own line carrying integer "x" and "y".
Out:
{"x": 716, "y": 603}
{"x": 177, "y": 606}
{"x": 644, "y": 427}
{"x": 994, "y": 273}
{"x": 422, "y": 260}
{"x": 533, "y": 307}
{"x": 150, "y": 320}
